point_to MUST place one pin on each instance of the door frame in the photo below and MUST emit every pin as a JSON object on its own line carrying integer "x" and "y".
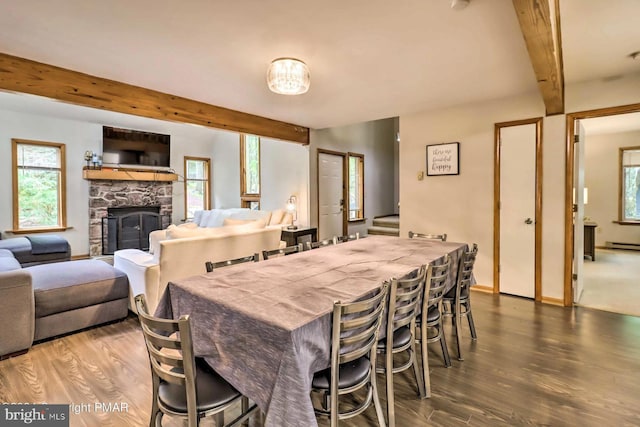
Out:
{"x": 568, "y": 186}
{"x": 538, "y": 202}
{"x": 344, "y": 186}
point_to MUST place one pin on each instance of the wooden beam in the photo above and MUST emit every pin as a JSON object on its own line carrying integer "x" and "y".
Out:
{"x": 23, "y": 75}
{"x": 540, "y": 26}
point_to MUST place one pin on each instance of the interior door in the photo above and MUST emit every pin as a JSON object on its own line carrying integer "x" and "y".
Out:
{"x": 330, "y": 195}
{"x": 517, "y": 209}
{"x": 578, "y": 216}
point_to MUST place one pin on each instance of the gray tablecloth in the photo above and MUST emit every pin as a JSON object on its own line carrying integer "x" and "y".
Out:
{"x": 265, "y": 327}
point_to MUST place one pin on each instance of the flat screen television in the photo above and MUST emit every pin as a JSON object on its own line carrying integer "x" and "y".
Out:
{"x": 135, "y": 149}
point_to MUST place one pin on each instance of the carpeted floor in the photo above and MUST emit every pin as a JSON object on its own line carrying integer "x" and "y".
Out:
{"x": 612, "y": 282}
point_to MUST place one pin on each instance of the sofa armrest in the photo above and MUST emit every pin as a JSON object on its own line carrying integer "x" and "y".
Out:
{"x": 17, "y": 311}
{"x": 142, "y": 269}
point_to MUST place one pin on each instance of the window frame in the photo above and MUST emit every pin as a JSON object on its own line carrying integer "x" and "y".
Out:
{"x": 206, "y": 180}
{"x": 62, "y": 187}
{"x": 246, "y": 198}
{"x": 622, "y": 219}
{"x": 360, "y": 185}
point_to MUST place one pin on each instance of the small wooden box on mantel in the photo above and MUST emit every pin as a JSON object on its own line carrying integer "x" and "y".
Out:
{"x": 127, "y": 175}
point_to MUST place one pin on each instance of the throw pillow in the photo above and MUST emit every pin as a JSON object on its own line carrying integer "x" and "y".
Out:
{"x": 197, "y": 215}
{"x": 276, "y": 217}
{"x": 232, "y": 221}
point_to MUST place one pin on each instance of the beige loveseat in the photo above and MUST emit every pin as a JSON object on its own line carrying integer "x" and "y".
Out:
{"x": 184, "y": 253}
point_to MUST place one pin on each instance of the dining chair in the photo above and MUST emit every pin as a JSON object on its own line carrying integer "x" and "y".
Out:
{"x": 354, "y": 333}
{"x": 210, "y": 266}
{"x": 320, "y": 244}
{"x": 431, "y": 317}
{"x": 342, "y": 239}
{"x": 441, "y": 237}
{"x": 281, "y": 252}
{"x": 403, "y": 305}
{"x": 184, "y": 385}
{"x": 456, "y": 303}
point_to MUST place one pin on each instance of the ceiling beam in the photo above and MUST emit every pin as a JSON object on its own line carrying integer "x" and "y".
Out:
{"x": 23, "y": 75}
{"x": 540, "y": 26}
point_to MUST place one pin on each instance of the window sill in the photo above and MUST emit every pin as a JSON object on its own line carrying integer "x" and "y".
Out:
{"x": 627, "y": 222}
{"x": 38, "y": 230}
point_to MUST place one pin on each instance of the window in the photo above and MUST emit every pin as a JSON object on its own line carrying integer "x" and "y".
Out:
{"x": 250, "y": 171}
{"x": 39, "y": 199}
{"x": 356, "y": 187}
{"x": 630, "y": 184}
{"x": 196, "y": 185}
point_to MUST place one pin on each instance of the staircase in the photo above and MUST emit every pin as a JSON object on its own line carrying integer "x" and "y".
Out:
{"x": 385, "y": 226}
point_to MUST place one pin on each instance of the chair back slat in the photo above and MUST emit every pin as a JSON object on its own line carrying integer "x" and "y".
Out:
{"x": 283, "y": 251}
{"x": 210, "y": 266}
{"x": 465, "y": 270}
{"x": 320, "y": 244}
{"x": 404, "y": 300}
{"x": 355, "y": 327}
{"x": 437, "y": 276}
{"x": 442, "y": 237}
{"x": 169, "y": 347}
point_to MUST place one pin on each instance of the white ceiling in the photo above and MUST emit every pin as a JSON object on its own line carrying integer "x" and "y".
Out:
{"x": 369, "y": 59}
{"x": 629, "y": 122}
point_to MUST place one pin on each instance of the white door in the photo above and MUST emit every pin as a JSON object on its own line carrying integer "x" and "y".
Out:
{"x": 578, "y": 216}
{"x": 330, "y": 195}
{"x": 517, "y": 210}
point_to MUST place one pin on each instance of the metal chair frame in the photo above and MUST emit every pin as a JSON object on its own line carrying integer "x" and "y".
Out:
{"x": 342, "y": 239}
{"x": 282, "y": 251}
{"x": 441, "y": 237}
{"x": 354, "y": 334}
{"x": 404, "y": 300}
{"x": 320, "y": 244}
{"x": 210, "y": 266}
{"x": 178, "y": 366}
{"x": 460, "y": 305}
{"x": 433, "y": 293}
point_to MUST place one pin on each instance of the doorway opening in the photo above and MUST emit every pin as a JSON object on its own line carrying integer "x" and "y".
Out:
{"x": 605, "y": 271}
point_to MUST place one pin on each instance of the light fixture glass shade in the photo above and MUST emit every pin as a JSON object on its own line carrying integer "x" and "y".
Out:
{"x": 288, "y": 76}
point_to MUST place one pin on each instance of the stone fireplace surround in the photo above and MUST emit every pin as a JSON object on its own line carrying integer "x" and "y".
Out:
{"x": 104, "y": 194}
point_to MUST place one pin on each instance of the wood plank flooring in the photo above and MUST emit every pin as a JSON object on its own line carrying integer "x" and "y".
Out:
{"x": 533, "y": 364}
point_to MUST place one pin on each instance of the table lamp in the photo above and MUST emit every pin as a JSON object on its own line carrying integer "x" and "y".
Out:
{"x": 292, "y": 203}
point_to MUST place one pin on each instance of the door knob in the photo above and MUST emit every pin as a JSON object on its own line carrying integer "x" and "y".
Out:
{"x": 528, "y": 221}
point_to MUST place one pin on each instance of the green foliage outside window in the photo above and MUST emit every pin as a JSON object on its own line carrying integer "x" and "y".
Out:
{"x": 39, "y": 178}
{"x": 631, "y": 196}
{"x": 252, "y": 164}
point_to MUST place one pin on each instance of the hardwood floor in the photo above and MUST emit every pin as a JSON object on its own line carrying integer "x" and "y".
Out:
{"x": 533, "y": 364}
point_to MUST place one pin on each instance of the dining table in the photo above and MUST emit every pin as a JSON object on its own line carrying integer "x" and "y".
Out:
{"x": 266, "y": 327}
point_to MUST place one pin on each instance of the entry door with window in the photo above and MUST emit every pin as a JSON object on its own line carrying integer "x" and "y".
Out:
{"x": 517, "y": 242}
{"x": 330, "y": 195}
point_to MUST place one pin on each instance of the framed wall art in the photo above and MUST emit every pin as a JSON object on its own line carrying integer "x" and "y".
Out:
{"x": 443, "y": 159}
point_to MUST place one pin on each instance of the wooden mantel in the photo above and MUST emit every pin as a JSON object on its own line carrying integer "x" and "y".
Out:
{"x": 127, "y": 175}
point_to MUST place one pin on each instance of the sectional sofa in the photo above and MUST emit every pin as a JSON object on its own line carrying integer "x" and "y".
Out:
{"x": 182, "y": 251}
{"x": 47, "y": 300}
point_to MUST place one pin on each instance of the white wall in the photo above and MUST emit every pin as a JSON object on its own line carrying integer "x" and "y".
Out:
{"x": 602, "y": 179}
{"x": 376, "y": 141}
{"x": 285, "y": 172}
{"x": 279, "y": 158}
{"x": 463, "y": 205}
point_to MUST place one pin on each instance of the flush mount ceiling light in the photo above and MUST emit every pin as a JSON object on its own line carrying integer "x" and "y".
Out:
{"x": 459, "y": 4}
{"x": 288, "y": 76}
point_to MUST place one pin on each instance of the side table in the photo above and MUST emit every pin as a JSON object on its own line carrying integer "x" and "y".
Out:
{"x": 292, "y": 236}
